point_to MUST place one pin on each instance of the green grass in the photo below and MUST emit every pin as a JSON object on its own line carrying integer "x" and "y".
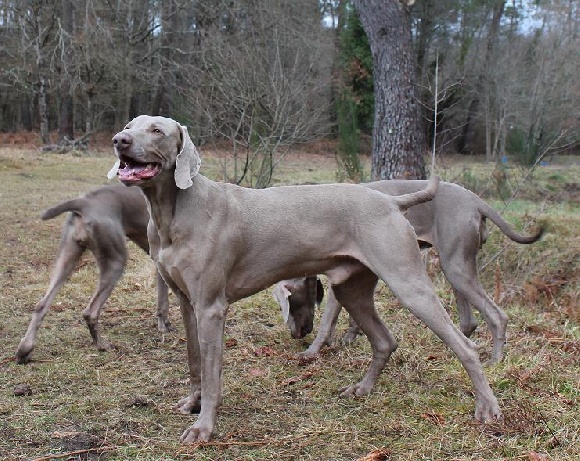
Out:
{"x": 118, "y": 405}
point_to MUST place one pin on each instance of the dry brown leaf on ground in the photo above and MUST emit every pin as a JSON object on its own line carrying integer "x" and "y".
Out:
{"x": 255, "y": 372}
{"x": 265, "y": 351}
{"x": 380, "y": 454}
{"x": 434, "y": 418}
{"x": 533, "y": 456}
{"x": 295, "y": 379}
{"x": 232, "y": 342}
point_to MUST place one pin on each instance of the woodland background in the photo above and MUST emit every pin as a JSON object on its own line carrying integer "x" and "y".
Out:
{"x": 493, "y": 77}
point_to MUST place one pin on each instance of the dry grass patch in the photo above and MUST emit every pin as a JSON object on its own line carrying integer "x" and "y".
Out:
{"x": 77, "y": 403}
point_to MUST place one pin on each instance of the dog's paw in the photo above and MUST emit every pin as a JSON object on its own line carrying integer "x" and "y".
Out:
{"x": 164, "y": 326}
{"x": 354, "y": 390}
{"x": 196, "y": 433}
{"x": 349, "y": 337}
{"x": 308, "y": 354}
{"x": 103, "y": 345}
{"x": 497, "y": 354}
{"x": 22, "y": 358}
{"x": 490, "y": 362}
{"x": 24, "y": 351}
{"x": 487, "y": 411}
{"x": 188, "y": 405}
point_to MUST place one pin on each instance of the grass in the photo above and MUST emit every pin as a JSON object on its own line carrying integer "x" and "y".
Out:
{"x": 118, "y": 405}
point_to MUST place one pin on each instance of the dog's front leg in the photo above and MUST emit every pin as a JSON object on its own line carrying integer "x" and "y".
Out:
{"x": 192, "y": 402}
{"x": 210, "y": 332}
{"x": 327, "y": 326}
{"x": 163, "y": 322}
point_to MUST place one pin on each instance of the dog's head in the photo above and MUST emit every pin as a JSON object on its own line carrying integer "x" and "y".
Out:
{"x": 149, "y": 147}
{"x": 298, "y": 299}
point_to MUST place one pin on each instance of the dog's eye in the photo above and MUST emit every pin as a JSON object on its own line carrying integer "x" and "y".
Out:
{"x": 157, "y": 131}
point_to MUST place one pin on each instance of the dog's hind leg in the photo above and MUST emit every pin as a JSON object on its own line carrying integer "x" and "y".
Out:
{"x": 467, "y": 321}
{"x": 111, "y": 254}
{"x": 356, "y": 295}
{"x": 465, "y": 281}
{"x": 69, "y": 253}
{"x": 411, "y": 284}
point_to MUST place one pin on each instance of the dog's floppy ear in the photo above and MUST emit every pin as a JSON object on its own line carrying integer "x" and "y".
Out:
{"x": 187, "y": 162}
{"x": 114, "y": 170}
{"x": 282, "y": 293}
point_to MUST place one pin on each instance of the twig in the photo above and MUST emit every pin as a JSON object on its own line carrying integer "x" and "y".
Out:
{"x": 435, "y": 113}
{"x": 73, "y": 453}
{"x": 6, "y": 360}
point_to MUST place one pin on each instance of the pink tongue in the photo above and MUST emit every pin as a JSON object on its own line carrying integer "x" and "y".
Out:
{"x": 137, "y": 172}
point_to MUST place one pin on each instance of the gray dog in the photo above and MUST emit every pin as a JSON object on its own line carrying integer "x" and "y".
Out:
{"x": 217, "y": 243}
{"x": 454, "y": 222}
{"x": 99, "y": 221}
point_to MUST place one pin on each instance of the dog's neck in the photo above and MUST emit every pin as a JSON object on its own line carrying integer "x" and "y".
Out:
{"x": 161, "y": 198}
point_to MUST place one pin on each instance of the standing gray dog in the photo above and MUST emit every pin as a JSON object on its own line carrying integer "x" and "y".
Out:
{"x": 217, "y": 243}
{"x": 99, "y": 221}
{"x": 454, "y": 222}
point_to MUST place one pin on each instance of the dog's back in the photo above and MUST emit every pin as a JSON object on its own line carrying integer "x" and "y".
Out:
{"x": 117, "y": 204}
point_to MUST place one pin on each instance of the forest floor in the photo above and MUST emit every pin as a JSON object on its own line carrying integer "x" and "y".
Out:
{"x": 82, "y": 404}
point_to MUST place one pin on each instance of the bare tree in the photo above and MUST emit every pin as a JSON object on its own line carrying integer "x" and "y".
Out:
{"x": 262, "y": 82}
{"x": 37, "y": 22}
{"x": 484, "y": 80}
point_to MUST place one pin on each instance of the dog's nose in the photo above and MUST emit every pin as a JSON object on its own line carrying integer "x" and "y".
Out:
{"x": 122, "y": 140}
{"x": 306, "y": 330}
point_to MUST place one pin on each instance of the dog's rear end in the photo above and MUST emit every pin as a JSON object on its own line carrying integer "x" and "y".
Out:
{"x": 454, "y": 222}
{"x": 99, "y": 221}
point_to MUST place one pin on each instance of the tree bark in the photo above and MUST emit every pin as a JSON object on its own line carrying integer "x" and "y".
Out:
{"x": 398, "y": 139}
{"x": 42, "y": 20}
{"x": 66, "y": 109}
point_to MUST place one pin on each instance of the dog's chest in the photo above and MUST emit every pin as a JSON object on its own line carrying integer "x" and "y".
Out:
{"x": 180, "y": 268}
{"x": 168, "y": 260}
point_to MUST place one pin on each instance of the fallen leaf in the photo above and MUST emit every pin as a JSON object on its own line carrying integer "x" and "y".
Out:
{"x": 265, "y": 351}
{"x": 434, "y": 418}
{"x": 232, "y": 342}
{"x": 533, "y": 456}
{"x": 255, "y": 372}
{"x": 303, "y": 361}
{"x": 380, "y": 454}
{"x": 295, "y": 379}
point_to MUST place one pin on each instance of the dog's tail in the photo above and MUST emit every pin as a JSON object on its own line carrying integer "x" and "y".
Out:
{"x": 75, "y": 205}
{"x": 414, "y": 198}
{"x": 496, "y": 218}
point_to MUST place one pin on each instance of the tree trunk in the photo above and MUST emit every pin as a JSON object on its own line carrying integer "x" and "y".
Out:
{"x": 43, "y": 111}
{"x": 41, "y": 14}
{"x": 166, "y": 80}
{"x": 464, "y": 143}
{"x": 398, "y": 139}
{"x": 66, "y": 109}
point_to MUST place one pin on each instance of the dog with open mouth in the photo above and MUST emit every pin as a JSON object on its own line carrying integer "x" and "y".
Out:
{"x": 216, "y": 243}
